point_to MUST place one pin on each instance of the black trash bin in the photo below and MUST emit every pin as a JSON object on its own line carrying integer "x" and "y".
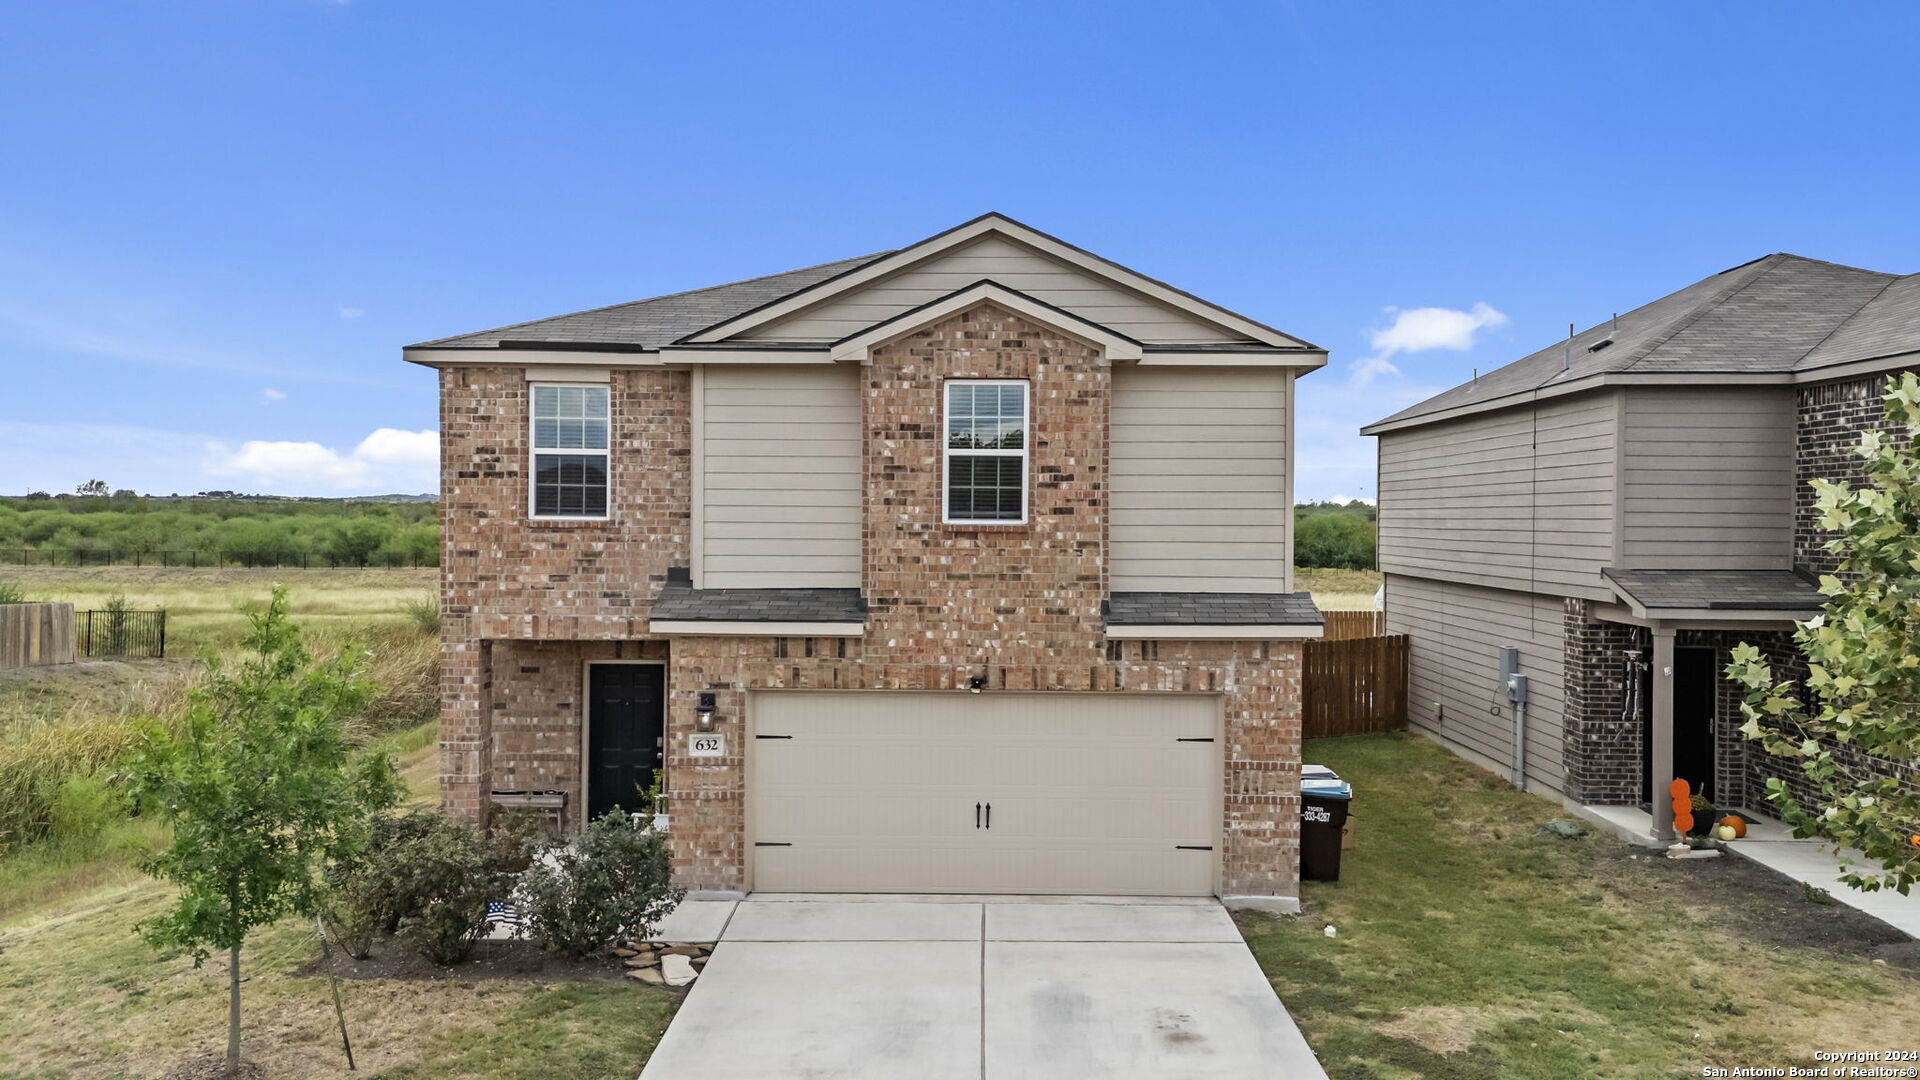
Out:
{"x": 1324, "y": 802}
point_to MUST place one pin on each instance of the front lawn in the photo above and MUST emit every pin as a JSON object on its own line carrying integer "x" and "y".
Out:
{"x": 1470, "y": 945}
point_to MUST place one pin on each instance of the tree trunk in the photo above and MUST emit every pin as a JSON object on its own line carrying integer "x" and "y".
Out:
{"x": 233, "y": 1012}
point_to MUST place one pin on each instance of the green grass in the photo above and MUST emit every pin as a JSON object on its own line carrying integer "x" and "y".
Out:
{"x": 1339, "y": 590}
{"x": 84, "y": 997}
{"x": 204, "y": 606}
{"x": 1470, "y": 946}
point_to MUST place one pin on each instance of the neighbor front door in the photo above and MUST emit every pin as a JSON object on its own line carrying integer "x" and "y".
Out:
{"x": 626, "y": 706}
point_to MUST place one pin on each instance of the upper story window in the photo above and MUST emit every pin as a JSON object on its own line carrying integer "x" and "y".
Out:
{"x": 569, "y": 452}
{"x": 986, "y": 451}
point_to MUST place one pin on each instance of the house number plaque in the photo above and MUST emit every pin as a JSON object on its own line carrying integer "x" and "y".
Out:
{"x": 706, "y": 745}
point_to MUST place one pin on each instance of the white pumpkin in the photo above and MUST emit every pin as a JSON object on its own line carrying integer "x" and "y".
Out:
{"x": 1724, "y": 832}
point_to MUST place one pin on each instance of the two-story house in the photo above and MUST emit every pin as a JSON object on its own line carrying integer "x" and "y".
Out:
{"x": 964, "y": 567}
{"x": 1620, "y": 509}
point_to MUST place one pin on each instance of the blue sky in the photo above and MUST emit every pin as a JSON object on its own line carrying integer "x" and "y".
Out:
{"x": 219, "y": 221}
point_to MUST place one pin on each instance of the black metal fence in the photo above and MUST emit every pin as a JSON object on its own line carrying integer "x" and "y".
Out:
{"x": 209, "y": 559}
{"x": 119, "y": 633}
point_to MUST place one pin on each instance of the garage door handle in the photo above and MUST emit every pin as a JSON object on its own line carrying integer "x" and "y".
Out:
{"x": 976, "y": 815}
{"x": 989, "y": 815}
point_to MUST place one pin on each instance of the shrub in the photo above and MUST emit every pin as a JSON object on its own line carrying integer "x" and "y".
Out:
{"x": 11, "y": 594}
{"x": 609, "y": 886}
{"x": 80, "y": 810}
{"x": 425, "y": 615}
{"x": 424, "y": 877}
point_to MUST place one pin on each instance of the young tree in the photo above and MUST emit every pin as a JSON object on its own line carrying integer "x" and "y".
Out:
{"x": 1863, "y": 662}
{"x": 260, "y": 788}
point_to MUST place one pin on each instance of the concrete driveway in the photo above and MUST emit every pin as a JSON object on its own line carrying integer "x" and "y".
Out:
{"x": 985, "y": 988}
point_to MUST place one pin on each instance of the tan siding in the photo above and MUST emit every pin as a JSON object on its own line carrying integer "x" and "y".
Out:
{"x": 1198, "y": 470}
{"x": 1454, "y": 632}
{"x": 1707, "y": 479}
{"x": 1011, "y": 264}
{"x": 1518, "y": 499}
{"x": 781, "y": 452}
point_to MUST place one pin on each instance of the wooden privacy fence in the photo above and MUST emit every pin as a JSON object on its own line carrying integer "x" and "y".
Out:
{"x": 1354, "y": 686}
{"x": 34, "y": 635}
{"x": 1351, "y": 624}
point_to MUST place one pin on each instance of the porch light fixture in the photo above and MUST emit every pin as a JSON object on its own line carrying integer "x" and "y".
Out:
{"x": 703, "y": 717}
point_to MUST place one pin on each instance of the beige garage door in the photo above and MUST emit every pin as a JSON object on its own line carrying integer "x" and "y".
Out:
{"x": 886, "y": 791}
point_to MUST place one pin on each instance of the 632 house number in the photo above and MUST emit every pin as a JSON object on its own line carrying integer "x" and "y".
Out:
{"x": 706, "y": 745}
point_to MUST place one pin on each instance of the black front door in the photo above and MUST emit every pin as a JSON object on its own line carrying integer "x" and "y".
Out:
{"x": 1694, "y": 691}
{"x": 626, "y": 706}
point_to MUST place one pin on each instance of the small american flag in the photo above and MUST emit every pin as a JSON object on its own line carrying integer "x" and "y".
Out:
{"x": 501, "y": 913}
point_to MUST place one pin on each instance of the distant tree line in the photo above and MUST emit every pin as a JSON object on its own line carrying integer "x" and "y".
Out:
{"x": 343, "y": 533}
{"x": 1334, "y": 535}
{"x": 264, "y": 532}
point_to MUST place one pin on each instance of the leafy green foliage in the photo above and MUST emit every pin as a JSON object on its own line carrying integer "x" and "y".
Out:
{"x": 1863, "y": 662}
{"x": 11, "y": 594}
{"x": 262, "y": 531}
{"x": 260, "y": 788}
{"x": 439, "y": 874}
{"x": 1337, "y": 536}
{"x": 611, "y": 885}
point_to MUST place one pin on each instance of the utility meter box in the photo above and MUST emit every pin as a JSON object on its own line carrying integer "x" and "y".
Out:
{"x": 1507, "y": 658}
{"x": 1517, "y": 689}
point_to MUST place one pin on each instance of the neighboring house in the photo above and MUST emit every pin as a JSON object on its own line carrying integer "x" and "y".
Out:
{"x": 958, "y": 568}
{"x": 1624, "y": 507}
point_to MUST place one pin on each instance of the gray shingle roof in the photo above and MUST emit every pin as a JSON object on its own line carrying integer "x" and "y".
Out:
{"x": 1888, "y": 326}
{"x": 1212, "y": 609}
{"x": 1761, "y": 317}
{"x": 1726, "y": 590}
{"x": 679, "y": 601}
{"x": 660, "y": 320}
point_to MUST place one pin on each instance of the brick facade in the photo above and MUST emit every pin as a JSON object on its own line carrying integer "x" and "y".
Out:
{"x": 527, "y": 603}
{"x": 505, "y": 578}
{"x": 1601, "y": 745}
{"x": 1832, "y": 417}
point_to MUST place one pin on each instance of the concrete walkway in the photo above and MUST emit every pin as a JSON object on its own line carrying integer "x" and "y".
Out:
{"x": 1812, "y": 862}
{"x": 1771, "y": 844}
{"x": 981, "y": 988}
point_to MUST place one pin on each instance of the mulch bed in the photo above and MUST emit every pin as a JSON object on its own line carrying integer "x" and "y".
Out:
{"x": 1753, "y": 902}
{"x": 489, "y": 960}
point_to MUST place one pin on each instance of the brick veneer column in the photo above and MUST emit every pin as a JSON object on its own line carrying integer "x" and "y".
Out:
{"x": 1601, "y": 748}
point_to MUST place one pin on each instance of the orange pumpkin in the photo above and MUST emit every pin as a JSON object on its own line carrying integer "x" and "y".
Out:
{"x": 1682, "y": 807}
{"x": 1736, "y": 823}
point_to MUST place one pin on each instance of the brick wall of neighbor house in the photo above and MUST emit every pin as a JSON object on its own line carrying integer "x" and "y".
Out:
{"x": 1603, "y": 753}
{"x": 504, "y": 576}
{"x": 1831, "y": 419}
{"x": 1018, "y": 604}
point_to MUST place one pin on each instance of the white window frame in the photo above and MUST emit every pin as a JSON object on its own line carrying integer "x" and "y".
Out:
{"x": 947, "y": 452}
{"x": 534, "y": 450}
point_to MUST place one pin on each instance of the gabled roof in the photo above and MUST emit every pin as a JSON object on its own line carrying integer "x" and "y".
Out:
{"x": 1765, "y": 318}
{"x": 657, "y": 321}
{"x": 716, "y": 316}
{"x": 970, "y": 231}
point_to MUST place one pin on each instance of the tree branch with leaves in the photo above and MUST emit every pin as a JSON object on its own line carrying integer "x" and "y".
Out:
{"x": 1854, "y": 728}
{"x": 261, "y": 788}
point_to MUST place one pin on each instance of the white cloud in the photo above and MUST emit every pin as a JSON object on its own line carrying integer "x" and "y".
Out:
{"x": 270, "y": 394}
{"x": 1419, "y": 330}
{"x": 349, "y": 312}
{"x": 386, "y": 459}
{"x": 1343, "y": 500}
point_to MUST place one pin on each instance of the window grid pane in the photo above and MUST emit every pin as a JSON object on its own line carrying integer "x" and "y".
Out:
{"x": 986, "y": 443}
{"x": 570, "y": 485}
